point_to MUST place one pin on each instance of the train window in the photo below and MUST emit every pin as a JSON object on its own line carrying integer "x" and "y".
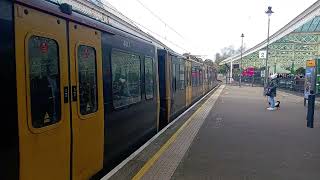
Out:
{"x": 174, "y": 78}
{"x": 149, "y": 74}
{"x": 200, "y": 77}
{"x": 44, "y": 81}
{"x": 182, "y": 79}
{"x": 126, "y": 88}
{"x": 186, "y": 75}
{"x": 194, "y": 76}
{"x": 177, "y": 76}
{"x": 189, "y": 76}
{"x": 87, "y": 74}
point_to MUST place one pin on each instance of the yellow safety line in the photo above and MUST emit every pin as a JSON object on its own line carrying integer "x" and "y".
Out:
{"x": 164, "y": 147}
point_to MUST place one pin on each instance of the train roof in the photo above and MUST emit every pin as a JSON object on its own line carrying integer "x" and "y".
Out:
{"x": 89, "y": 14}
{"x": 108, "y": 22}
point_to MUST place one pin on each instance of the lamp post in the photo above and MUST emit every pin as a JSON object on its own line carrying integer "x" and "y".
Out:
{"x": 268, "y": 12}
{"x": 240, "y": 67}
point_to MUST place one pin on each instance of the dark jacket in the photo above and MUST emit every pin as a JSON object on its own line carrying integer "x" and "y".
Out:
{"x": 273, "y": 87}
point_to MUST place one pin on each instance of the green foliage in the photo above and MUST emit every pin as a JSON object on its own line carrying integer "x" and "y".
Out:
{"x": 300, "y": 70}
{"x": 288, "y": 68}
{"x": 222, "y": 69}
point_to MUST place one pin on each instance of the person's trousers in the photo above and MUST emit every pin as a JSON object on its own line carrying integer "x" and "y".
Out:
{"x": 271, "y": 101}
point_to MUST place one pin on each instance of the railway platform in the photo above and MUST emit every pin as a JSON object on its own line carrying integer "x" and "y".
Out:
{"x": 230, "y": 135}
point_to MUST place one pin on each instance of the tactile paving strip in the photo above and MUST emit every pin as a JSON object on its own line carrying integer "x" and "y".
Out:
{"x": 167, "y": 163}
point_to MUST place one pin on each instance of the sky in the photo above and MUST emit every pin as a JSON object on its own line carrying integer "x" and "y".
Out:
{"x": 204, "y": 27}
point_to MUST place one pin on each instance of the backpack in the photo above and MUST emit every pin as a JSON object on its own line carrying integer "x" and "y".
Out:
{"x": 268, "y": 92}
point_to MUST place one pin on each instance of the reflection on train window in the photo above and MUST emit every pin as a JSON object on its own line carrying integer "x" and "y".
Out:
{"x": 189, "y": 75}
{"x": 174, "y": 79}
{"x": 177, "y": 76}
{"x": 200, "y": 77}
{"x": 44, "y": 81}
{"x": 87, "y": 74}
{"x": 182, "y": 85}
{"x": 148, "y": 65}
{"x": 194, "y": 77}
{"x": 125, "y": 78}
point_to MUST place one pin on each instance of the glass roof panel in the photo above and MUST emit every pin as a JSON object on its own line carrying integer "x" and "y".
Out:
{"x": 298, "y": 29}
{"x": 306, "y": 26}
{"x": 314, "y": 24}
{"x": 318, "y": 28}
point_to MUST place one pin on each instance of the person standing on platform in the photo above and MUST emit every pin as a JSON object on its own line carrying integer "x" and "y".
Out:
{"x": 271, "y": 92}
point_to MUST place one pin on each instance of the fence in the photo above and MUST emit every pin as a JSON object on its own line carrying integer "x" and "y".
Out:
{"x": 289, "y": 84}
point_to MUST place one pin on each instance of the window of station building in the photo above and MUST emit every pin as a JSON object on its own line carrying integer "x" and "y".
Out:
{"x": 126, "y": 78}
{"x": 87, "y": 74}
{"x": 44, "y": 79}
{"x": 149, "y": 74}
{"x": 182, "y": 77}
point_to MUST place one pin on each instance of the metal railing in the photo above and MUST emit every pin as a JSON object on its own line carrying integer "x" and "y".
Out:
{"x": 290, "y": 84}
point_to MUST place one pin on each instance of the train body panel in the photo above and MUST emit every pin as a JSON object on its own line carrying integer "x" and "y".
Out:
{"x": 84, "y": 95}
{"x": 178, "y": 89}
{"x": 188, "y": 83}
{"x": 164, "y": 87}
{"x": 197, "y": 80}
{"x": 43, "y": 118}
{"x": 130, "y": 99}
{"x": 9, "y": 151}
{"x": 87, "y": 107}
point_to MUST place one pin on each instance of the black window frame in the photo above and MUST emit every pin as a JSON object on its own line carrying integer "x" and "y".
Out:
{"x": 59, "y": 117}
{"x": 96, "y": 77}
{"x": 182, "y": 85}
{"x": 153, "y": 77}
{"x": 111, "y": 76}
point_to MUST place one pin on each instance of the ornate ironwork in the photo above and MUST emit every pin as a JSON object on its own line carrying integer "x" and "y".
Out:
{"x": 294, "y": 48}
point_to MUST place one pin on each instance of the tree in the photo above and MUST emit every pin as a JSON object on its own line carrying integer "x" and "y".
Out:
{"x": 301, "y": 70}
{"x": 224, "y": 54}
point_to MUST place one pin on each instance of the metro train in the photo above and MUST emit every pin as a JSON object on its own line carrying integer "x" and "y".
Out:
{"x": 79, "y": 95}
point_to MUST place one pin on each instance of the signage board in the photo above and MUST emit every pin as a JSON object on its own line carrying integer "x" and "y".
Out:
{"x": 235, "y": 66}
{"x": 310, "y": 78}
{"x": 311, "y": 63}
{"x": 263, "y": 54}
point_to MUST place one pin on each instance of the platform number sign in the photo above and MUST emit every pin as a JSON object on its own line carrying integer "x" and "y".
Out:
{"x": 262, "y": 54}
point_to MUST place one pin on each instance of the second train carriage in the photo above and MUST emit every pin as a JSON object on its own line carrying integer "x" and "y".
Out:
{"x": 84, "y": 95}
{"x": 182, "y": 81}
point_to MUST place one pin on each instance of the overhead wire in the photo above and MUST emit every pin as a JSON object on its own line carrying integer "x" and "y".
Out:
{"x": 160, "y": 19}
{"x": 161, "y": 36}
{"x": 107, "y": 4}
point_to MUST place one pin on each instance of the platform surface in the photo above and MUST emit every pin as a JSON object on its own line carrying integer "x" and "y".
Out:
{"x": 232, "y": 136}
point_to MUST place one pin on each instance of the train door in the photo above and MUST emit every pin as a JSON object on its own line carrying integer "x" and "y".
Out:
{"x": 188, "y": 84}
{"x": 169, "y": 92}
{"x": 49, "y": 130}
{"x": 42, "y": 94}
{"x": 87, "y": 101}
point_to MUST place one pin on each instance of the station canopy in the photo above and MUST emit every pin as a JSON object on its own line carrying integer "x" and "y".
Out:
{"x": 290, "y": 47}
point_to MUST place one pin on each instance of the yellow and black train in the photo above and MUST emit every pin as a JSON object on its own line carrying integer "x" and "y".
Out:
{"x": 78, "y": 96}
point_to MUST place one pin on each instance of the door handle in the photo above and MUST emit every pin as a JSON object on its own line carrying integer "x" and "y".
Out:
{"x": 66, "y": 94}
{"x": 74, "y": 93}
